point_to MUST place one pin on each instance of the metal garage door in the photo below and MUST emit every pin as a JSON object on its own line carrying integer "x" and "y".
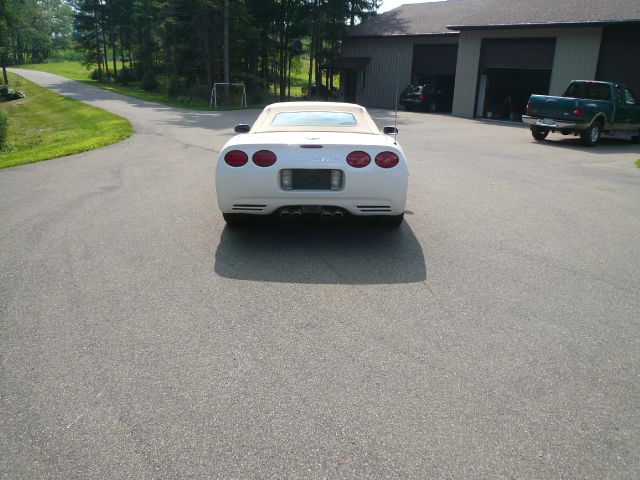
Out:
{"x": 620, "y": 56}
{"x": 521, "y": 53}
{"x": 434, "y": 60}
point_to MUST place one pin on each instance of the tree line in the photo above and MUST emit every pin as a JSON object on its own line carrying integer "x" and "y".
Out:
{"x": 192, "y": 42}
{"x": 32, "y": 30}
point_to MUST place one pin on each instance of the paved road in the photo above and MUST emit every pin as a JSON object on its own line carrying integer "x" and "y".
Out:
{"x": 495, "y": 335}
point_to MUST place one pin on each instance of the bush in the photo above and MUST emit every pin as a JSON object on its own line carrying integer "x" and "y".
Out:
{"x": 256, "y": 86}
{"x": 95, "y": 74}
{"x": 149, "y": 82}
{"x": 174, "y": 87}
{"x": 200, "y": 92}
{"x": 3, "y": 129}
{"x": 7, "y": 94}
{"x": 125, "y": 76}
{"x": 68, "y": 54}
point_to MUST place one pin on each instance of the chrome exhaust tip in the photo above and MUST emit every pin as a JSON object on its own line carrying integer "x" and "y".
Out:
{"x": 326, "y": 215}
{"x": 285, "y": 213}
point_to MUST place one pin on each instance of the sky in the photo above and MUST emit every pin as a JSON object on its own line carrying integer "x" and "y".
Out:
{"x": 389, "y": 4}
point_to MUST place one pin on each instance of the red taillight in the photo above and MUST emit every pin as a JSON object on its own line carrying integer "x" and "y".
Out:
{"x": 358, "y": 159}
{"x": 421, "y": 97}
{"x": 236, "y": 158}
{"x": 264, "y": 158}
{"x": 528, "y": 106}
{"x": 387, "y": 160}
{"x": 578, "y": 112}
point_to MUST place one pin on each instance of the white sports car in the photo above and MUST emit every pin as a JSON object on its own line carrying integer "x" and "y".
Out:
{"x": 312, "y": 158}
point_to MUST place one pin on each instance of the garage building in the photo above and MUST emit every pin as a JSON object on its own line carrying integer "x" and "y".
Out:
{"x": 493, "y": 54}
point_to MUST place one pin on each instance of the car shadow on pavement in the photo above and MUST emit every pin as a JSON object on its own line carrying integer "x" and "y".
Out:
{"x": 348, "y": 253}
{"x": 607, "y": 145}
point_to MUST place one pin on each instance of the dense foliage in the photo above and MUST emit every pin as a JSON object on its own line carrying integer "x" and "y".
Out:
{"x": 190, "y": 42}
{"x": 32, "y": 30}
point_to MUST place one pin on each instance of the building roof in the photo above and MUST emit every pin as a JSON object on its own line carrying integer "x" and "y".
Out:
{"x": 437, "y": 18}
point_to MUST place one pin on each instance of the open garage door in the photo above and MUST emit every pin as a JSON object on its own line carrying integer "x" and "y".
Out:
{"x": 511, "y": 70}
{"x": 620, "y": 56}
{"x": 436, "y": 65}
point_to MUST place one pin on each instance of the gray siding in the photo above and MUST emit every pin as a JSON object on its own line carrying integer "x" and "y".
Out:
{"x": 576, "y": 57}
{"x": 391, "y": 61}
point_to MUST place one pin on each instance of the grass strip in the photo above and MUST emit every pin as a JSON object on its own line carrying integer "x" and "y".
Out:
{"x": 46, "y": 125}
{"x": 76, "y": 71}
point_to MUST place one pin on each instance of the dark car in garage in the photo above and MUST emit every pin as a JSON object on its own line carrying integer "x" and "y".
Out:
{"x": 431, "y": 97}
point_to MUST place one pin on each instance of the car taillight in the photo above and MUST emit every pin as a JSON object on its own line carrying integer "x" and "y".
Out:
{"x": 578, "y": 112}
{"x": 236, "y": 158}
{"x": 421, "y": 97}
{"x": 387, "y": 160}
{"x": 528, "y": 106}
{"x": 358, "y": 159}
{"x": 264, "y": 158}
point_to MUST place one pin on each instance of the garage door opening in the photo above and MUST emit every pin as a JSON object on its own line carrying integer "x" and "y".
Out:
{"x": 504, "y": 92}
{"x": 435, "y": 66}
{"x": 511, "y": 70}
{"x": 620, "y": 56}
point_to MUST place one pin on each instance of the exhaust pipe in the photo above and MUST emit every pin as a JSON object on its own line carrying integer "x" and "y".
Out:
{"x": 326, "y": 215}
{"x": 284, "y": 214}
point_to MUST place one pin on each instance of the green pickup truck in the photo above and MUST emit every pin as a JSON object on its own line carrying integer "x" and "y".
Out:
{"x": 588, "y": 109}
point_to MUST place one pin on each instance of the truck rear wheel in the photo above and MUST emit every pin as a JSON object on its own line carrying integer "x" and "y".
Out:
{"x": 591, "y": 136}
{"x": 539, "y": 133}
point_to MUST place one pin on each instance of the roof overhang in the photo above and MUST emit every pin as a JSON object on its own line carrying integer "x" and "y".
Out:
{"x": 407, "y": 35}
{"x": 595, "y": 23}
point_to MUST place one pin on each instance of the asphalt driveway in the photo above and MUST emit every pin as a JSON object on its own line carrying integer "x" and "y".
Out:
{"x": 496, "y": 334}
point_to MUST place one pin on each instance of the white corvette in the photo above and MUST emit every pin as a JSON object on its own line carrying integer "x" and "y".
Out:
{"x": 312, "y": 158}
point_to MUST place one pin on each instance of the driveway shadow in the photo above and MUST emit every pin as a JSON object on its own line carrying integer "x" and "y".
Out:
{"x": 317, "y": 253}
{"x": 607, "y": 145}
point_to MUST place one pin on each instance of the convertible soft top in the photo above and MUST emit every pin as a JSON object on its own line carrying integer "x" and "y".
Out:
{"x": 281, "y": 117}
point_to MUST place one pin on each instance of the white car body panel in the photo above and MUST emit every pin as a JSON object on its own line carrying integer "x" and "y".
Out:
{"x": 366, "y": 191}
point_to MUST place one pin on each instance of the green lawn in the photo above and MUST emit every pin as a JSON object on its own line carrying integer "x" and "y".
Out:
{"x": 46, "y": 125}
{"x": 638, "y": 163}
{"x": 76, "y": 71}
{"x": 68, "y": 69}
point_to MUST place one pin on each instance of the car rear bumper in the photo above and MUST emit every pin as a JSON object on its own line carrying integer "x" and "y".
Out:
{"x": 556, "y": 125}
{"x": 409, "y": 102}
{"x": 381, "y": 192}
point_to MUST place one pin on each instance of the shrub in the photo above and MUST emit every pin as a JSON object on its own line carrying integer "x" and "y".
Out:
{"x": 149, "y": 82}
{"x": 7, "y": 94}
{"x": 125, "y": 76}
{"x": 95, "y": 74}
{"x": 174, "y": 87}
{"x": 199, "y": 92}
{"x": 256, "y": 86}
{"x": 3, "y": 129}
{"x": 68, "y": 54}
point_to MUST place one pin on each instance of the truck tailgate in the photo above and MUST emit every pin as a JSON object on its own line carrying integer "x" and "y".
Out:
{"x": 551, "y": 107}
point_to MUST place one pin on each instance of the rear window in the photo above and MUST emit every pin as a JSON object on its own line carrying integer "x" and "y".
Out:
{"x": 413, "y": 89}
{"x": 296, "y": 119}
{"x": 589, "y": 90}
